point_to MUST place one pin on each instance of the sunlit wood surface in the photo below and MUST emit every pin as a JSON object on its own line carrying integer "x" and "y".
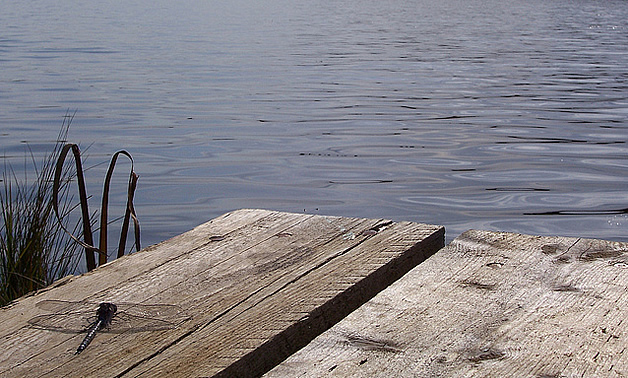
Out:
{"x": 257, "y": 285}
{"x": 488, "y": 305}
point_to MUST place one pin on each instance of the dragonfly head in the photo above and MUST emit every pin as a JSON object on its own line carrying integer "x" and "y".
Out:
{"x": 106, "y": 306}
{"x": 106, "y": 311}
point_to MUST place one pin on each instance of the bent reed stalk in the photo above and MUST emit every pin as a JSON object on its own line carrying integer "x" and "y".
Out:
{"x": 88, "y": 242}
{"x": 34, "y": 250}
{"x": 38, "y": 244}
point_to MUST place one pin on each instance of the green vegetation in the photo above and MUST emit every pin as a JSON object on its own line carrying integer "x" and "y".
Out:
{"x": 34, "y": 250}
{"x": 38, "y": 242}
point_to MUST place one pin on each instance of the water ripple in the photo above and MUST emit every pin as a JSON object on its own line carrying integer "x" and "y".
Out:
{"x": 473, "y": 114}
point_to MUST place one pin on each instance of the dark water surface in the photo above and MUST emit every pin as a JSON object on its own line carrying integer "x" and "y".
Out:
{"x": 501, "y": 115}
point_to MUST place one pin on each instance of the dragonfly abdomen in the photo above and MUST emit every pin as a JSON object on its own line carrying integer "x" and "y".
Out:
{"x": 91, "y": 333}
{"x": 105, "y": 313}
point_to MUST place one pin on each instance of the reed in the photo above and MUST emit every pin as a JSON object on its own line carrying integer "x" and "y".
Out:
{"x": 39, "y": 237}
{"x": 88, "y": 239}
{"x": 34, "y": 250}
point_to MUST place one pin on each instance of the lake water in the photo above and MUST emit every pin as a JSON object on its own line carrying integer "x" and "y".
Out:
{"x": 500, "y": 115}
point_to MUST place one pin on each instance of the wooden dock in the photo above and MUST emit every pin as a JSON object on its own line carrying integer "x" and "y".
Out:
{"x": 255, "y": 287}
{"x": 296, "y": 295}
{"x": 488, "y": 305}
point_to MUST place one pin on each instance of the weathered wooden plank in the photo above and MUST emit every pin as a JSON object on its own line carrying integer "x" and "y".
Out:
{"x": 488, "y": 305}
{"x": 256, "y": 284}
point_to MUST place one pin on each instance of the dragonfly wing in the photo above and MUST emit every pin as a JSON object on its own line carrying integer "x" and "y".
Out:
{"x": 71, "y": 322}
{"x": 159, "y": 311}
{"x": 58, "y": 305}
{"x": 124, "y": 322}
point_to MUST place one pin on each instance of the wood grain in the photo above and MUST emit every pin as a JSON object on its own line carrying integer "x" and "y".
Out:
{"x": 488, "y": 305}
{"x": 256, "y": 284}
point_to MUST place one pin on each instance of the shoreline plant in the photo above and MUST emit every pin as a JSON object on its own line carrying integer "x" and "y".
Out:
{"x": 38, "y": 233}
{"x": 34, "y": 250}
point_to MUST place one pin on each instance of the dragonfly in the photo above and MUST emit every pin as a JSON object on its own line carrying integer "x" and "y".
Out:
{"x": 93, "y": 317}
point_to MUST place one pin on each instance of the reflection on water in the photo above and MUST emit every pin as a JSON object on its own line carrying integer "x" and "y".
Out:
{"x": 472, "y": 114}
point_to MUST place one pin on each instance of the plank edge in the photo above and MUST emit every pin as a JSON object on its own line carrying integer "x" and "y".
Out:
{"x": 301, "y": 333}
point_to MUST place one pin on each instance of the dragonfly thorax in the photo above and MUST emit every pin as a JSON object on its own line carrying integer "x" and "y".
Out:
{"x": 106, "y": 311}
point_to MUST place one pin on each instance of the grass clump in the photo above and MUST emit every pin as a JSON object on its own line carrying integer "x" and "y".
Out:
{"x": 37, "y": 244}
{"x": 34, "y": 249}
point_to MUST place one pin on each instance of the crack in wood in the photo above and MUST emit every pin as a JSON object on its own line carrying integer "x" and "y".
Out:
{"x": 486, "y": 354}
